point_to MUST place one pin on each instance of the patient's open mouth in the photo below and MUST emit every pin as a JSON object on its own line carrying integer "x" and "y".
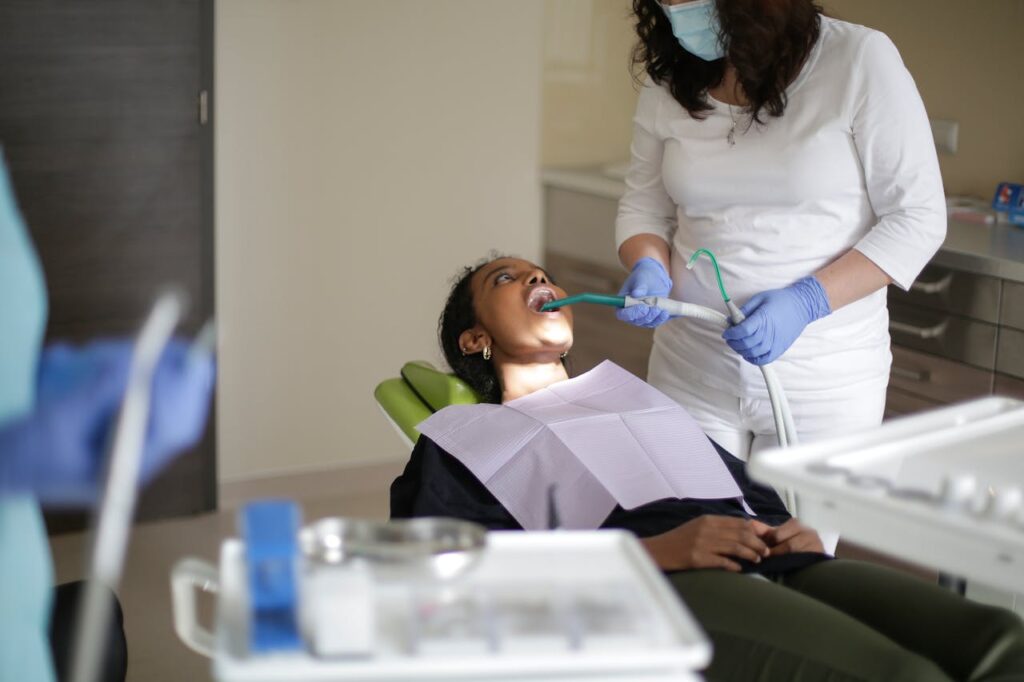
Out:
{"x": 538, "y": 297}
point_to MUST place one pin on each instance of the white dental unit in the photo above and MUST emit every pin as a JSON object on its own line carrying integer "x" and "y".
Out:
{"x": 943, "y": 489}
{"x": 438, "y": 599}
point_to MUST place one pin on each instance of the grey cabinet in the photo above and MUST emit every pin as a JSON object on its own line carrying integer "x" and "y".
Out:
{"x": 956, "y": 335}
{"x": 1012, "y": 313}
{"x": 920, "y": 381}
{"x": 951, "y": 291}
{"x": 1010, "y": 347}
{"x": 1010, "y": 387}
{"x": 581, "y": 226}
{"x": 1010, "y": 353}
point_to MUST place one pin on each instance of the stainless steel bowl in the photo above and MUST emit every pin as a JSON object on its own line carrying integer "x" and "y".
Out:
{"x": 428, "y": 548}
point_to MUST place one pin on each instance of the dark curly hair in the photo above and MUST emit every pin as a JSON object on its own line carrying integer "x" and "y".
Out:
{"x": 767, "y": 41}
{"x": 458, "y": 316}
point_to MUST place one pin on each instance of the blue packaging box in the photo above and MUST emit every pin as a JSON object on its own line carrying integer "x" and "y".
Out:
{"x": 1009, "y": 199}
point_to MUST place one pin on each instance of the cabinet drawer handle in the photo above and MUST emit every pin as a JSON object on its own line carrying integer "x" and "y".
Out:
{"x": 920, "y": 375}
{"x": 937, "y": 287}
{"x": 935, "y": 332}
{"x": 595, "y": 283}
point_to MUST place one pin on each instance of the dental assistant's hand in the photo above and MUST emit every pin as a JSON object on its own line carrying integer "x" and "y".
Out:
{"x": 182, "y": 390}
{"x": 709, "y": 542}
{"x": 793, "y": 536}
{"x": 775, "y": 319}
{"x": 648, "y": 278}
{"x": 57, "y": 452}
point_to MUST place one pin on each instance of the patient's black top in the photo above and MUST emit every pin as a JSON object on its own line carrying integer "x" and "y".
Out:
{"x": 435, "y": 483}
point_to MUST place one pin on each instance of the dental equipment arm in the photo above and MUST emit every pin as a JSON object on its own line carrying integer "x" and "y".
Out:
{"x": 169, "y": 385}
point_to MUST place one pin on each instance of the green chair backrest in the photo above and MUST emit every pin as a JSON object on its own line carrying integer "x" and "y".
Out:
{"x": 419, "y": 392}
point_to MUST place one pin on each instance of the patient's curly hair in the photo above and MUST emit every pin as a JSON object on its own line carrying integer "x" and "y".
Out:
{"x": 458, "y": 316}
{"x": 767, "y": 41}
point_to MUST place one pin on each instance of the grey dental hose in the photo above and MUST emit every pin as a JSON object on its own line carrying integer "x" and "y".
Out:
{"x": 784, "y": 427}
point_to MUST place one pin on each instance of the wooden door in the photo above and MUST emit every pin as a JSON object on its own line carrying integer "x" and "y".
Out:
{"x": 106, "y": 123}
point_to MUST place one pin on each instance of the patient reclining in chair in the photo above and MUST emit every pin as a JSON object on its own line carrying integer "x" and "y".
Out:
{"x": 606, "y": 450}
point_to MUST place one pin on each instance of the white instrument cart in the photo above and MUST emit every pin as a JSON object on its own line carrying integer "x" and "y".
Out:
{"x": 561, "y": 605}
{"x": 943, "y": 489}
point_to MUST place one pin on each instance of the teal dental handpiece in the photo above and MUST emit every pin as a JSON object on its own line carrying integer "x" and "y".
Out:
{"x": 600, "y": 299}
{"x": 669, "y": 305}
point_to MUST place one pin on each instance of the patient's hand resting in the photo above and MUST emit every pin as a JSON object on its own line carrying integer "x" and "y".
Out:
{"x": 715, "y": 541}
{"x": 793, "y": 536}
{"x": 709, "y": 542}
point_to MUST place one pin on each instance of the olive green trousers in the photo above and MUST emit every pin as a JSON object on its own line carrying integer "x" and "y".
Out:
{"x": 847, "y": 620}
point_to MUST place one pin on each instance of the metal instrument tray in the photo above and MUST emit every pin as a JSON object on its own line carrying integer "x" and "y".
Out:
{"x": 941, "y": 489}
{"x": 513, "y": 562}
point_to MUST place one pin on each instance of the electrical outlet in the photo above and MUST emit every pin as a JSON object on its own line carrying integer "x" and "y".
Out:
{"x": 946, "y": 134}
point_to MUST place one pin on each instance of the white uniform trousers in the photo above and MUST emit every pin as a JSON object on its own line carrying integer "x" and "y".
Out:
{"x": 743, "y": 425}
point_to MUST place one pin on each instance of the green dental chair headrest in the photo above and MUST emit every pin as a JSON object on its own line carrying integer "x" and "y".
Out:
{"x": 418, "y": 393}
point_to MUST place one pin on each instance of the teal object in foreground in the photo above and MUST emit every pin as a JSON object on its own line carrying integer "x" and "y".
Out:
{"x": 26, "y": 573}
{"x": 600, "y": 299}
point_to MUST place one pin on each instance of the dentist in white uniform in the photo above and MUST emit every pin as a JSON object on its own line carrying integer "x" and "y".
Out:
{"x": 811, "y": 213}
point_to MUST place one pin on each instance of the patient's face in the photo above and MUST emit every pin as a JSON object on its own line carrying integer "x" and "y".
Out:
{"x": 507, "y": 295}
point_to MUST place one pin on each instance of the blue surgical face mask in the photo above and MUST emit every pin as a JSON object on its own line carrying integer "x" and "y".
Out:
{"x": 695, "y": 26}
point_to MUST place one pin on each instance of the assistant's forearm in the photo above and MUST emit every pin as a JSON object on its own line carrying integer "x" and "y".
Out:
{"x": 644, "y": 246}
{"x": 850, "y": 278}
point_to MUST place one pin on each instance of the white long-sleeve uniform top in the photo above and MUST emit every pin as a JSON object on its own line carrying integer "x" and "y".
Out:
{"x": 850, "y": 164}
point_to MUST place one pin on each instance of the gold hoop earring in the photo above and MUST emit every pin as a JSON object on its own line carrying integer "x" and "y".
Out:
{"x": 487, "y": 352}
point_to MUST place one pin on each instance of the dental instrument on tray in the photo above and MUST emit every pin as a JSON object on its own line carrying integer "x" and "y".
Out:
{"x": 943, "y": 489}
{"x": 433, "y": 599}
{"x": 784, "y": 427}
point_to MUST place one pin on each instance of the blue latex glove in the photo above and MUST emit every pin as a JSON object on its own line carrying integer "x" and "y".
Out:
{"x": 182, "y": 390}
{"x": 648, "y": 278}
{"x": 57, "y": 452}
{"x": 775, "y": 319}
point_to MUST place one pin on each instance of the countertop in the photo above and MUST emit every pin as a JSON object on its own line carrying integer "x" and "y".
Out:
{"x": 993, "y": 250}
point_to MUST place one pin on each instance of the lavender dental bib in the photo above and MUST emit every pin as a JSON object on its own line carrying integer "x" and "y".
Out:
{"x": 604, "y": 438}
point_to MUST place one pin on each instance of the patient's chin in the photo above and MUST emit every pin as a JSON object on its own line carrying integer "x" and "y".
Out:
{"x": 558, "y": 338}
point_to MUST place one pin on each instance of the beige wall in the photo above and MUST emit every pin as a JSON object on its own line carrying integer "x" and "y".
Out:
{"x": 364, "y": 151}
{"x": 589, "y": 96}
{"x": 964, "y": 55}
{"x": 967, "y": 60}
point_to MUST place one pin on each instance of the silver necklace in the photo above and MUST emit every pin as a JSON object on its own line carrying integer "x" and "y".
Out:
{"x": 731, "y": 137}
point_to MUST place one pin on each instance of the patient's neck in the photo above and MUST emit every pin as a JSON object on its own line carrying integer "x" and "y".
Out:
{"x": 523, "y": 378}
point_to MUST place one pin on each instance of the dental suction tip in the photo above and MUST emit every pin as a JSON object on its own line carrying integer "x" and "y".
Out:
{"x": 599, "y": 299}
